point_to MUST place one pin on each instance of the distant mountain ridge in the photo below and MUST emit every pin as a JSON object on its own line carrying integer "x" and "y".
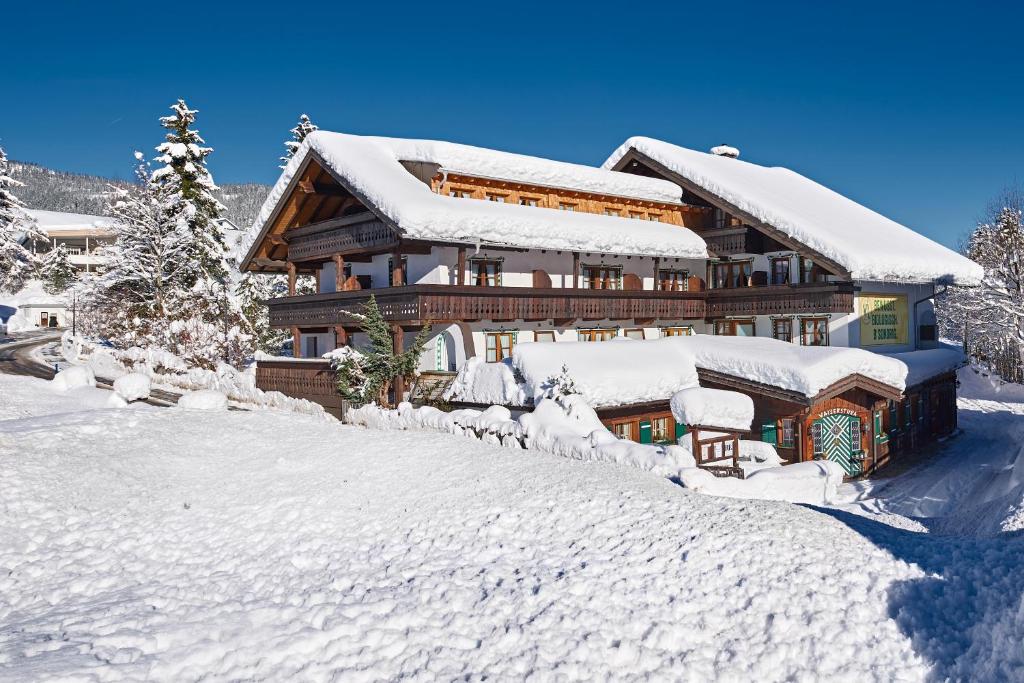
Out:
{"x": 52, "y": 190}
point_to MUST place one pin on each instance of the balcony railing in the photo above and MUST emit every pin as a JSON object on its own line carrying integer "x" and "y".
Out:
{"x": 417, "y": 304}
{"x": 339, "y": 236}
{"x": 781, "y": 300}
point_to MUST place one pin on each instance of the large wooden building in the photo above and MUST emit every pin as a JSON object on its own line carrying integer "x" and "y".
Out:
{"x": 496, "y": 250}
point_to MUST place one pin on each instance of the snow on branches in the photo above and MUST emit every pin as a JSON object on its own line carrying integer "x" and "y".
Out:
{"x": 299, "y": 133}
{"x": 17, "y": 229}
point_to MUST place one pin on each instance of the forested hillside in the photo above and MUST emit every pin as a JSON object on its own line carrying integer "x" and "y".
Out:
{"x": 80, "y": 193}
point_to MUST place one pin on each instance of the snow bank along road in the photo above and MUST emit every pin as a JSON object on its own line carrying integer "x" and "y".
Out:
{"x": 174, "y": 545}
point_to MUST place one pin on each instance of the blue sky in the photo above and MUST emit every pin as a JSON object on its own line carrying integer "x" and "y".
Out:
{"x": 911, "y": 109}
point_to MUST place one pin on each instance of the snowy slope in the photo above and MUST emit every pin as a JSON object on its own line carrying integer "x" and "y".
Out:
{"x": 371, "y": 166}
{"x": 170, "y": 545}
{"x": 833, "y": 225}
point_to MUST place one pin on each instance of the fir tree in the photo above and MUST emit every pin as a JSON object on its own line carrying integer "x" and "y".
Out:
{"x": 185, "y": 175}
{"x": 17, "y": 263}
{"x": 368, "y": 375}
{"x": 56, "y": 272}
{"x": 252, "y": 290}
{"x": 299, "y": 133}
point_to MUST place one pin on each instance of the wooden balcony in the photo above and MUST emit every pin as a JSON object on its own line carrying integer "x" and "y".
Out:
{"x": 348, "y": 235}
{"x": 781, "y": 300}
{"x": 417, "y": 304}
{"x": 730, "y": 241}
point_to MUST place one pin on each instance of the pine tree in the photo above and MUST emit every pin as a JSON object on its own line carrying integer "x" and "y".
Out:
{"x": 368, "y": 375}
{"x": 17, "y": 263}
{"x": 185, "y": 175}
{"x": 299, "y": 133}
{"x": 56, "y": 272}
{"x": 252, "y": 290}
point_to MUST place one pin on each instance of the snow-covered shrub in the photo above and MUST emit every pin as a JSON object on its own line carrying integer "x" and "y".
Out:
{"x": 204, "y": 399}
{"x": 73, "y": 377}
{"x": 133, "y": 387}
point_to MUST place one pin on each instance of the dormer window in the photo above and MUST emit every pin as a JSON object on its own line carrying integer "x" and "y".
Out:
{"x": 461, "y": 194}
{"x": 566, "y": 206}
{"x": 495, "y": 197}
{"x": 612, "y": 212}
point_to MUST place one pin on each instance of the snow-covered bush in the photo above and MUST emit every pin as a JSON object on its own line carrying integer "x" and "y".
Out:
{"x": 133, "y": 387}
{"x": 73, "y": 377}
{"x": 204, "y": 399}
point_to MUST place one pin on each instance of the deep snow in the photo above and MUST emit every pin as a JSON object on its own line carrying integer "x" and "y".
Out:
{"x": 173, "y": 545}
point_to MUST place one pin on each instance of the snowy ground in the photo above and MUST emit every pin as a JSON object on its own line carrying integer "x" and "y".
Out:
{"x": 173, "y": 545}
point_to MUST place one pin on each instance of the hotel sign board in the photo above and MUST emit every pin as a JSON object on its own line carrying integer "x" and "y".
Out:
{"x": 884, "y": 319}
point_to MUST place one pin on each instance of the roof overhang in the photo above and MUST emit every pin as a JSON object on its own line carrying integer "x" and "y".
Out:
{"x": 854, "y": 381}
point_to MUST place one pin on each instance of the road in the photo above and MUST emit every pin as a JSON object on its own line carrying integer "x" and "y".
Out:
{"x": 16, "y": 354}
{"x": 16, "y": 358}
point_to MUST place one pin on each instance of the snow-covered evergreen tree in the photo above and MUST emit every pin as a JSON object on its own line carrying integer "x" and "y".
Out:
{"x": 17, "y": 232}
{"x": 990, "y": 319}
{"x": 303, "y": 128}
{"x": 367, "y": 376}
{"x": 185, "y": 175}
{"x": 252, "y": 290}
{"x": 56, "y": 271}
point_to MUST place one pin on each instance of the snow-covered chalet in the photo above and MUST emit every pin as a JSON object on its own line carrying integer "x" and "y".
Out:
{"x": 495, "y": 250}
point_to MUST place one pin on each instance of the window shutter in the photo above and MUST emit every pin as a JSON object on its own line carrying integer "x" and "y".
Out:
{"x": 680, "y": 431}
{"x": 769, "y": 433}
{"x": 816, "y": 438}
{"x": 645, "y": 431}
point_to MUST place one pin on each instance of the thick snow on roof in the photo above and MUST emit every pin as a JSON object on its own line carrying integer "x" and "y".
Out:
{"x": 927, "y": 363}
{"x": 59, "y": 220}
{"x": 371, "y": 166}
{"x": 869, "y": 245}
{"x": 803, "y": 369}
{"x": 713, "y": 408}
{"x": 617, "y": 372}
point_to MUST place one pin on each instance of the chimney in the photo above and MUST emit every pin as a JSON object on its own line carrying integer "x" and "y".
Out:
{"x": 725, "y": 151}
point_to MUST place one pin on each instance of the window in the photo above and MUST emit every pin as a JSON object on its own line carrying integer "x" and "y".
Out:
{"x": 565, "y": 206}
{"x": 602, "y": 277}
{"x": 74, "y": 251}
{"x": 724, "y": 220}
{"x": 654, "y": 217}
{"x": 461, "y": 194}
{"x": 787, "y": 435}
{"x": 635, "y": 333}
{"x": 894, "y": 415}
{"x": 495, "y": 197}
{"x": 486, "y": 272}
{"x": 734, "y": 328}
{"x": 782, "y": 329}
{"x": 926, "y": 333}
{"x": 623, "y": 430}
{"x": 662, "y": 429}
{"x": 855, "y": 435}
{"x": 907, "y": 409}
{"x": 499, "y": 345}
{"x": 816, "y": 438}
{"x": 731, "y": 274}
{"x": 596, "y": 335}
{"x": 638, "y": 215}
{"x": 391, "y": 271}
{"x": 612, "y": 212}
{"x": 686, "y": 331}
{"x": 528, "y": 201}
{"x": 812, "y": 272}
{"x": 814, "y": 331}
{"x": 673, "y": 280}
{"x": 780, "y": 271}
{"x": 544, "y": 335}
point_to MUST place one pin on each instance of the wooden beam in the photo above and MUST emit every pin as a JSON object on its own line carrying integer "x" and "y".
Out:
{"x": 397, "y": 274}
{"x": 292, "y": 274}
{"x": 340, "y": 337}
{"x": 323, "y": 189}
{"x": 339, "y": 273}
{"x": 399, "y": 346}
{"x": 460, "y": 273}
{"x": 575, "y": 270}
{"x": 296, "y": 343}
{"x": 278, "y": 239}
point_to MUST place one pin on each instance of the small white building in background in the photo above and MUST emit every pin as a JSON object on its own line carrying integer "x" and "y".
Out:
{"x": 82, "y": 234}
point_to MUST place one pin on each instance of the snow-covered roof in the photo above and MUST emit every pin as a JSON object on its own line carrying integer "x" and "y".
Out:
{"x": 618, "y": 372}
{"x": 927, "y": 363}
{"x": 869, "y": 245}
{"x": 372, "y": 168}
{"x": 51, "y": 222}
{"x": 700, "y": 406}
{"x": 802, "y": 369}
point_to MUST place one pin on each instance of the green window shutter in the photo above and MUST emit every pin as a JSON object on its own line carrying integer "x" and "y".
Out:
{"x": 645, "y": 431}
{"x": 769, "y": 433}
{"x": 680, "y": 431}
